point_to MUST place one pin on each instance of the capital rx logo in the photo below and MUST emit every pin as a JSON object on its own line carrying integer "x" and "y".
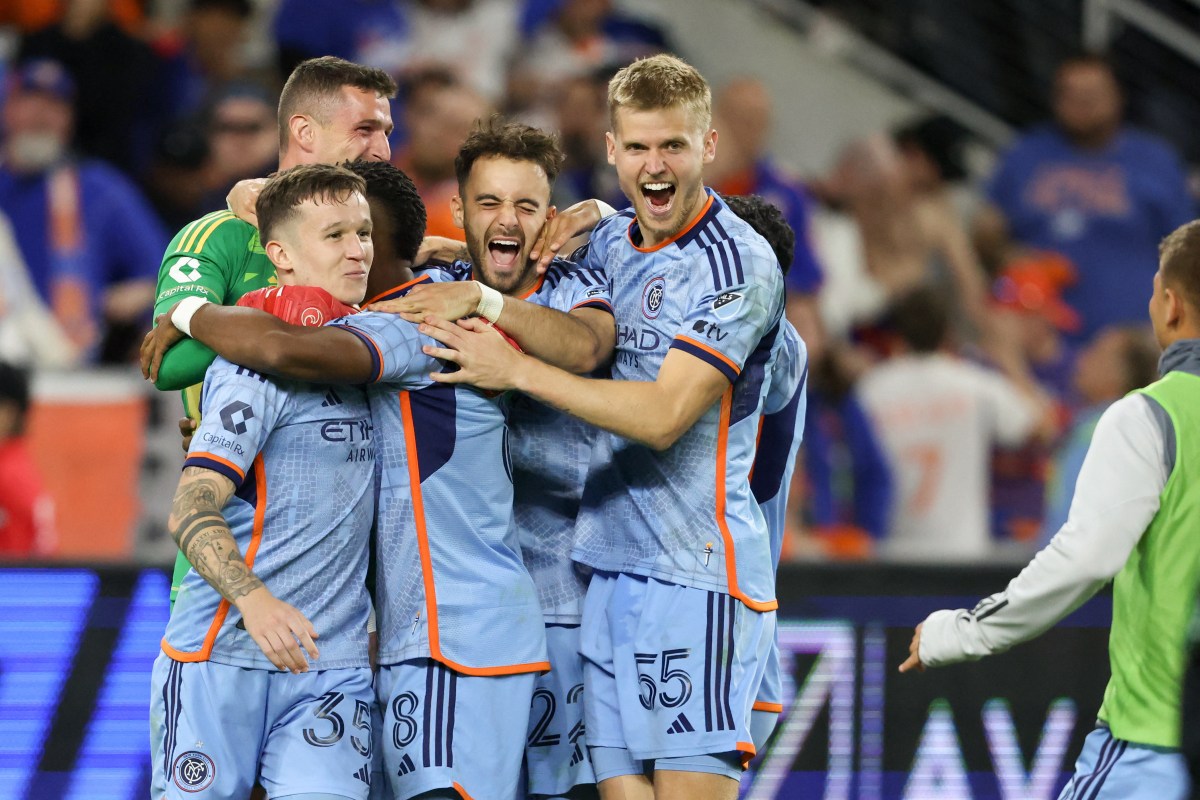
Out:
{"x": 234, "y": 416}
{"x": 194, "y": 771}
{"x": 652, "y": 297}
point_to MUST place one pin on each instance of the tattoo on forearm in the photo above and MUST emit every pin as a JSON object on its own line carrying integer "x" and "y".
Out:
{"x": 204, "y": 537}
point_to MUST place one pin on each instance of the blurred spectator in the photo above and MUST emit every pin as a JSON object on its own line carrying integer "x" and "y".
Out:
{"x": 204, "y": 56}
{"x": 114, "y": 72}
{"x": 1030, "y": 315}
{"x": 178, "y": 178}
{"x": 243, "y": 138}
{"x": 1115, "y": 362}
{"x": 898, "y": 230}
{"x": 30, "y": 16}
{"x": 1092, "y": 189}
{"x": 743, "y": 111}
{"x": 26, "y": 510}
{"x": 88, "y": 237}
{"x": 439, "y": 114}
{"x": 581, "y": 123}
{"x": 474, "y": 39}
{"x": 938, "y": 417}
{"x": 847, "y": 485}
{"x": 573, "y": 39}
{"x": 29, "y": 333}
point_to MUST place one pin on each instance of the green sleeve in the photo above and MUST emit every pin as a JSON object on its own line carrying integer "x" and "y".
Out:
{"x": 203, "y": 260}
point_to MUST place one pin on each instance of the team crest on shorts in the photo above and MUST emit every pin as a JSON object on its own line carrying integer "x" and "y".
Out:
{"x": 193, "y": 771}
{"x": 652, "y": 297}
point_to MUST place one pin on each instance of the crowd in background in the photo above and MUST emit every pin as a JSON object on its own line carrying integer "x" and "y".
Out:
{"x": 959, "y": 353}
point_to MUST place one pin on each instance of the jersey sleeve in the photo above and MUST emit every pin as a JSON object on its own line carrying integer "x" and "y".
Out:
{"x": 1012, "y": 414}
{"x": 395, "y": 348}
{"x": 582, "y": 287}
{"x": 240, "y": 409}
{"x": 201, "y": 261}
{"x": 723, "y": 327}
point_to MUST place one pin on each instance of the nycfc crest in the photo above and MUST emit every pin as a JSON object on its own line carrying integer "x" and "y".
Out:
{"x": 194, "y": 771}
{"x": 652, "y": 297}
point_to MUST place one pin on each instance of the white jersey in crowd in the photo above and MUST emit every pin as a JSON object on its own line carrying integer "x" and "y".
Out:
{"x": 938, "y": 417}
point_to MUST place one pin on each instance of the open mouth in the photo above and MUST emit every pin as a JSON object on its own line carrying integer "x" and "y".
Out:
{"x": 659, "y": 197}
{"x": 504, "y": 251}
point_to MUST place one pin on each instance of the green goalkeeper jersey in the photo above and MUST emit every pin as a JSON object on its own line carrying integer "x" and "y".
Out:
{"x": 217, "y": 257}
{"x": 1154, "y": 595}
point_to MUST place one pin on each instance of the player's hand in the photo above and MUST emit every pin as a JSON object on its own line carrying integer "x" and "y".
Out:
{"x": 440, "y": 248}
{"x": 187, "y": 429}
{"x": 914, "y": 653}
{"x": 243, "y": 199}
{"x": 161, "y": 338}
{"x": 448, "y": 301}
{"x": 561, "y": 228}
{"x": 484, "y": 357}
{"x": 278, "y": 629}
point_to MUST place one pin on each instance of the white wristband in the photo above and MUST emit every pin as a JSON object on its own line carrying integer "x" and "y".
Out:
{"x": 181, "y": 317}
{"x": 491, "y": 303}
{"x": 605, "y": 209}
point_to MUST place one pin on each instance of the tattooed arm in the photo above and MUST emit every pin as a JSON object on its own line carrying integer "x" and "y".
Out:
{"x": 198, "y": 527}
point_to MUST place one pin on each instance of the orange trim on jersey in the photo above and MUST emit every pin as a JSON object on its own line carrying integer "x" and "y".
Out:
{"x": 260, "y": 513}
{"x": 541, "y": 279}
{"x": 774, "y": 708}
{"x": 686, "y": 228}
{"x": 714, "y": 353}
{"x": 219, "y": 460}
{"x": 209, "y": 232}
{"x": 431, "y": 614}
{"x": 591, "y": 303}
{"x": 398, "y": 288}
{"x": 748, "y": 752}
{"x": 730, "y": 558}
{"x": 458, "y": 788}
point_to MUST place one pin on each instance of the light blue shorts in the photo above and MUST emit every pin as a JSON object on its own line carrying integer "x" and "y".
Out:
{"x": 670, "y": 671}
{"x": 216, "y": 729}
{"x": 556, "y": 754}
{"x": 446, "y": 730}
{"x": 1110, "y": 768}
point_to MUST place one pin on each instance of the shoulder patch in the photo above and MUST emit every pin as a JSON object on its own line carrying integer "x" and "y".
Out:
{"x": 726, "y": 304}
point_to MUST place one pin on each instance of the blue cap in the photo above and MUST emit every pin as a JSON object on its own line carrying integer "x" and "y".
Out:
{"x": 46, "y": 76}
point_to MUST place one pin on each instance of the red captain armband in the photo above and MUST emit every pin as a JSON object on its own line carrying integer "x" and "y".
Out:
{"x": 511, "y": 341}
{"x": 306, "y": 306}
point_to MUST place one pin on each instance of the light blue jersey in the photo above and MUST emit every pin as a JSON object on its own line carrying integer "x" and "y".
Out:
{"x": 303, "y": 460}
{"x": 451, "y": 585}
{"x": 778, "y": 443}
{"x": 550, "y": 452}
{"x": 686, "y": 515}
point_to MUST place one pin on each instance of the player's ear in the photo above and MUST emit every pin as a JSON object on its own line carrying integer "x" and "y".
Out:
{"x": 1172, "y": 307}
{"x": 279, "y": 256}
{"x": 710, "y": 146}
{"x": 610, "y": 144}
{"x": 456, "y": 211}
{"x": 302, "y": 131}
{"x": 551, "y": 213}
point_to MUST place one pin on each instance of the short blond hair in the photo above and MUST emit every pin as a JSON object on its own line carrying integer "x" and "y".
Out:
{"x": 661, "y": 81}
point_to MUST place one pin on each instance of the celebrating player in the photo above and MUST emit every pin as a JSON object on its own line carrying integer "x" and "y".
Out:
{"x": 679, "y": 615}
{"x": 506, "y": 173}
{"x": 1134, "y": 516}
{"x": 274, "y": 509}
{"x": 330, "y": 111}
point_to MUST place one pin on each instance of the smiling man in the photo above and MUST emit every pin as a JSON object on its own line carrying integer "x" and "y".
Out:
{"x": 679, "y": 614}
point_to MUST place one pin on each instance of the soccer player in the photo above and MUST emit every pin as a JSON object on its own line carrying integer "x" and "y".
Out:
{"x": 461, "y": 632}
{"x": 330, "y": 111}
{"x": 778, "y": 440}
{"x": 1134, "y": 516}
{"x": 679, "y": 614}
{"x": 506, "y": 177}
{"x": 274, "y": 509}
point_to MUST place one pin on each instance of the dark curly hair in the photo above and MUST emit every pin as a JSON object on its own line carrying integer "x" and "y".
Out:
{"x": 397, "y": 192}
{"x": 768, "y": 221}
{"x": 496, "y": 138}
